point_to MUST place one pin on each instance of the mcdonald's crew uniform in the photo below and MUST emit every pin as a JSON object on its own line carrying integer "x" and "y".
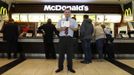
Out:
{"x": 66, "y": 43}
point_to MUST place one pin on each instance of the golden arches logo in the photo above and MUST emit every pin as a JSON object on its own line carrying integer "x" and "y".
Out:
{"x": 3, "y": 11}
{"x": 128, "y": 12}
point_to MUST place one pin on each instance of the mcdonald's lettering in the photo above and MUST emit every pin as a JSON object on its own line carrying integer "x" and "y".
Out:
{"x": 128, "y": 12}
{"x": 3, "y": 11}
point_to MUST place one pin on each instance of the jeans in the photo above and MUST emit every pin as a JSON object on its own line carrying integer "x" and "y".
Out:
{"x": 100, "y": 44}
{"x": 86, "y": 46}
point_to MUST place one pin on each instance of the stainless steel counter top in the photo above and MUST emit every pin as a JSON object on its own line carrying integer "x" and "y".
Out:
{"x": 56, "y": 40}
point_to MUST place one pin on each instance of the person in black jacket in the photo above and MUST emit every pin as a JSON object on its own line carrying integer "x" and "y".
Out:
{"x": 10, "y": 35}
{"x": 47, "y": 30}
{"x": 86, "y": 32}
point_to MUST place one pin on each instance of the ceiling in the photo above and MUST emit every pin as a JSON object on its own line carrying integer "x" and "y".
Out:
{"x": 69, "y": 1}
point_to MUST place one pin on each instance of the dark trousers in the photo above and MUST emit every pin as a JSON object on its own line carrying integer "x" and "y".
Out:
{"x": 12, "y": 48}
{"x": 49, "y": 49}
{"x": 66, "y": 46}
{"x": 99, "y": 45}
{"x": 86, "y": 46}
{"x": 109, "y": 47}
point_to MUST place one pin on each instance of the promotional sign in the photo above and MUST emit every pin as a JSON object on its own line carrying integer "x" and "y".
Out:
{"x": 128, "y": 12}
{"x": 65, "y": 24}
{"x": 128, "y": 9}
{"x": 60, "y": 7}
{"x": 3, "y": 11}
{"x": 63, "y": 7}
{"x": 3, "y": 8}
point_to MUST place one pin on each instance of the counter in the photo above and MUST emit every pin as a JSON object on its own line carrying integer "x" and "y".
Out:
{"x": 56, "y": 40}
{"x": 35, "y": 45}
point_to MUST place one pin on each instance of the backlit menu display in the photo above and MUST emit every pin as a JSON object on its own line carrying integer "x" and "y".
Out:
{"x": 53, "y": 17}
{"x": 36, "y": 17}
{"x": 16, "y": 17}
{"x": 100, "y": 18}
{"x": 24, "y": 17}
{"x": 112, "y": 18}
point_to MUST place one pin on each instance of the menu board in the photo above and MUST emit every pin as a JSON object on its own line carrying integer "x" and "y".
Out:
{"x": 16, "y": 17}
{"x": 36, "y": 17}
{"x": 53, "y": 17}
{"x": 79, "y": 18}
{"x": 100, "y": 18}
{"x": 24, "y": 17}
{"x": 112, "y": 18}
{"x": 92, "y": 17}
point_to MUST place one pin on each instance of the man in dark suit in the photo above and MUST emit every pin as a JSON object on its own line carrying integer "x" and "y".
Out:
{"x": 48, "y": 29}
{"x": 10, "y": 35}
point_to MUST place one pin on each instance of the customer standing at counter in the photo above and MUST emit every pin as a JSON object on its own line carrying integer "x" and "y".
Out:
{"x": 66, "y": 27}
{"x": 10, "y": 35}
{"x": 109, "y": 46}
{"x": 47, "y": 30}
{"x": 86, "y": 32}
{"x": 100, "y": 38}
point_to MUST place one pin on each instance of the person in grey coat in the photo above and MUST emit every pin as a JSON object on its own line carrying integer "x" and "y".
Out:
{"x": 86, "y": 31}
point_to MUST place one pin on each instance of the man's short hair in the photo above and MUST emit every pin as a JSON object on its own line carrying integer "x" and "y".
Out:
{"x": 67, "y": 9}
{"x": 11, "y": 20}
{"x": 86, "y": 16}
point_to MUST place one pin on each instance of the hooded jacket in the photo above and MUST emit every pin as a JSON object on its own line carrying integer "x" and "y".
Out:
{"x": 86, "y": 29}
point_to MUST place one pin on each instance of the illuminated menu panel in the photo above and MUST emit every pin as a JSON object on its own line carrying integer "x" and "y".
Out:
{"x": 24, "y": 17}
{"x": 16, "y": 17}
{"x": 79, "y": 18}
{"x": 100, "y": 18}
{"x": 112, "y": 18}
{"x": 36, "y": 17}
{"x": 128, "y": 18}
{"x": 53, "y": 17}
{"x": 92, "y": 17}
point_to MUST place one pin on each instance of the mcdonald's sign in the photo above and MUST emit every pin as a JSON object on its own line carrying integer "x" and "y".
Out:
{"x": 3, "y": 11}
{"x": 128, "y": 12}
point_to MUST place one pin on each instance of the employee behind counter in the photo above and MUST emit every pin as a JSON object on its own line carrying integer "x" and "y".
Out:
{"x": 24, "y": 31}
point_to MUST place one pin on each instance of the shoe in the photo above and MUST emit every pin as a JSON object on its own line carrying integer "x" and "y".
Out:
{"x": 86, "y": 62}
{"x": 71, "y": 70}
{"x": 58, "y": 70}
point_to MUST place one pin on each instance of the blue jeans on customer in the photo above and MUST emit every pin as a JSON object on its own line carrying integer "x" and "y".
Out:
{"x": 86, "y": 46}
{"x": 100, "y": 44}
